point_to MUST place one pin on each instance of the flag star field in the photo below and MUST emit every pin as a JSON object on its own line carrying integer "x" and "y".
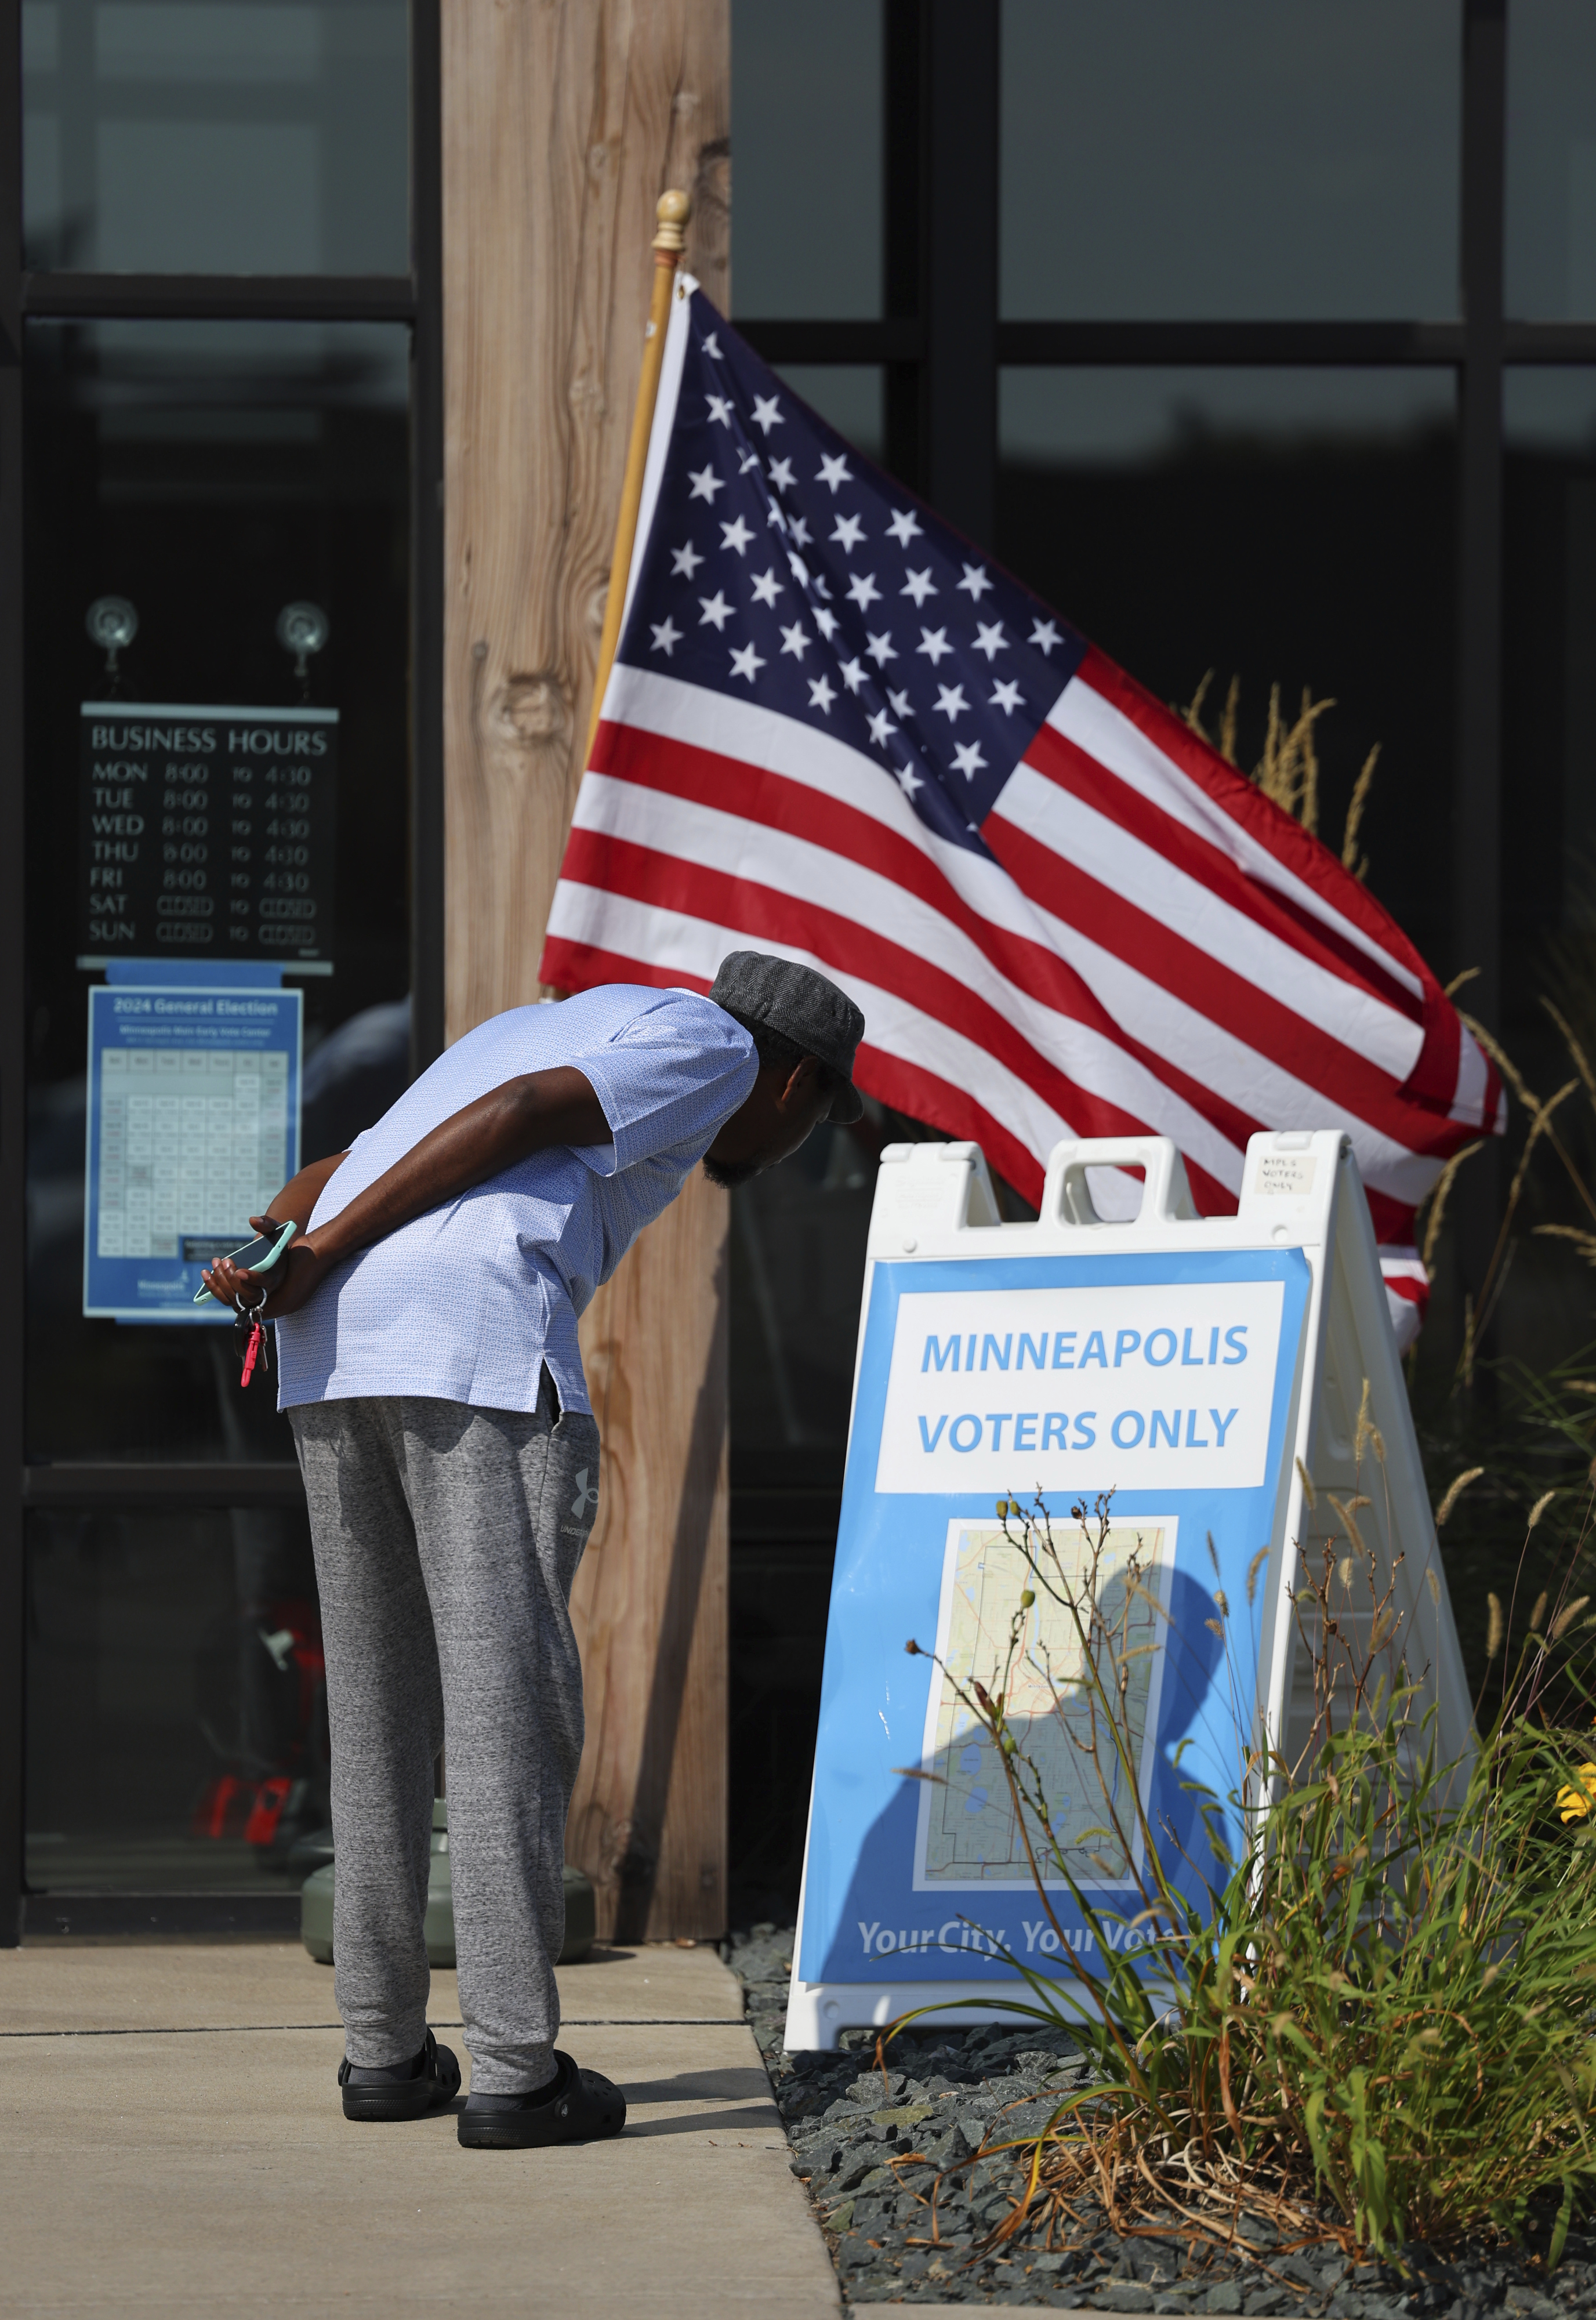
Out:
{"x": 782, "y": 567}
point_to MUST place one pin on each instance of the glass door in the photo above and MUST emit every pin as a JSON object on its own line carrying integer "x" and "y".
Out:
{"x": 229, "y": 646}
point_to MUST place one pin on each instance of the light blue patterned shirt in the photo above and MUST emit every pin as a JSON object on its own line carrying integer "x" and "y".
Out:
{"x": 468, "y": 1301}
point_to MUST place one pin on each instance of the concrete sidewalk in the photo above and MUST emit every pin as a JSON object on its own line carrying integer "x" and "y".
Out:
{"x": 172, "y": 2142}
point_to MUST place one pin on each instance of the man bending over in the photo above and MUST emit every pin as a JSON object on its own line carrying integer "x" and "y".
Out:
{"x": 428, "y": 1364}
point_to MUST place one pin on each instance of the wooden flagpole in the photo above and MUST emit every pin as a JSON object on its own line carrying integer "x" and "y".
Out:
{"x": 671, "y": 212}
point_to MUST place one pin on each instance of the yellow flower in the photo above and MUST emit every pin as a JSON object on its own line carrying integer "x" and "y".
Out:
{"x": 1574, "y": 1803}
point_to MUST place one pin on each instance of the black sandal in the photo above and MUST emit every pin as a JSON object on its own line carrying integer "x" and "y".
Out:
{"x": 579, "y": 2107}
{"x": 403, "y": 2089}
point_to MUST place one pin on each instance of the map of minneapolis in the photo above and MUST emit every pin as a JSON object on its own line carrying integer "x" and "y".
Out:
{"x": 968, "y": 1829}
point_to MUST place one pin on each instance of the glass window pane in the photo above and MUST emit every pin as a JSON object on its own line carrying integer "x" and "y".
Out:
{"x": 1551, "y": 221}
{"x": 848, "y": 395}
{"x": 216, "y": 136}
{"x": 798, "y": 1236}
{"x": 806, "y": 180}
{"x": 209, "y": 474}
{"x": 1549, "y": 703}
{"x": 797, "y": 1269}
{"x": 1290, "y": 528}
{"x": 779, "y": 1593}
{"x": 177, "y": 1708}
{"x": 1234, "y": 159}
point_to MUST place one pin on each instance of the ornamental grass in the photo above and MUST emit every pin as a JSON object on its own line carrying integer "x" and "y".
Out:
{"x": 1379, "y": 2022}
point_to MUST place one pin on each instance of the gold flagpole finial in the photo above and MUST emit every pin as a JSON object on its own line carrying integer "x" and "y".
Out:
{"x": 672, "y": 211}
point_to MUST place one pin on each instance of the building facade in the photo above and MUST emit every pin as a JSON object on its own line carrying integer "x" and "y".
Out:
{"x": 1259, "y": 338}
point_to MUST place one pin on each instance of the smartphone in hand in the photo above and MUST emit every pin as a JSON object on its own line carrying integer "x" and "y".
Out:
{"x": 257, "y": 1256}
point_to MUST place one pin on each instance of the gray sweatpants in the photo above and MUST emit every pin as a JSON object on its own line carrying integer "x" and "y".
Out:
{"x": 447, "y": 1539}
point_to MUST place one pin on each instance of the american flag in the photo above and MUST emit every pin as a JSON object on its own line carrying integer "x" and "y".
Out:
{"x": 835, "y": 730}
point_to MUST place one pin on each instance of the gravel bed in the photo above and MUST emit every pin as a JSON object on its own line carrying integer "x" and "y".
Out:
{"x": 911, "y": 2230}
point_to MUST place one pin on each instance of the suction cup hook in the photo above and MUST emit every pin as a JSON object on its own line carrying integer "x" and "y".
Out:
{"x": 303, "y": 629}
{"x": 112, "y": 623}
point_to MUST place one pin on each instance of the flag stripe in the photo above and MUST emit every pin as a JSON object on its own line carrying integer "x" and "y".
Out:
{"x": 1450, "y": 1070}
{"x": 900, "y": 1036}
{"x": 872, "y": 875}
{"x": 1106, "y": 820}
{"x": 1099, "y": 1090}
{"x": 905, "y": 1086}
{"x": 1109, "y": 718}
{"x": 728, "y": 737}
{"x": 1036, "y": 957}
{"x": 598, "y": 935}
{"x": 1189, "y": 1002}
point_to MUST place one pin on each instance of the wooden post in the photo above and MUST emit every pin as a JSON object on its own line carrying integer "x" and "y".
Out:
{"x": 562, "y": 124}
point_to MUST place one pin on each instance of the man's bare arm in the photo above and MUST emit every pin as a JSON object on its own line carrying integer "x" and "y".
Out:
{"x": 534, "y": 1113}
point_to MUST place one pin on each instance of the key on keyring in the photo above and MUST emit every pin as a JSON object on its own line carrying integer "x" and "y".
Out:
{"x": 254, "y": 1341}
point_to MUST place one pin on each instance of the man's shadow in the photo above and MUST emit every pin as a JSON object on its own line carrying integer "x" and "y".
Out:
{"x": 743, "y": 2088}
{"x": 1195, "y": 1695}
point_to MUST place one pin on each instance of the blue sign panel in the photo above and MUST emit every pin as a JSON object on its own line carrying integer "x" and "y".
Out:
{"x": 1165, "y": 1379}
{"x": 193, "y": 1127}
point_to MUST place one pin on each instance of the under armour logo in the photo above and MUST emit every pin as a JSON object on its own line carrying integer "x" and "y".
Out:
{"x": 585, "y": 1497}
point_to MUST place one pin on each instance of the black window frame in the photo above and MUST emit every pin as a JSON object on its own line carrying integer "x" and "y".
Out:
{"x": 942, "y": 345}
{"x": 415, "y": 298}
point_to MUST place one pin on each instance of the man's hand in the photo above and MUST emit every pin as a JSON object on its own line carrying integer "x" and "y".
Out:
{"x": 229, "y": 1284}
{"x": 295, "y": 1276}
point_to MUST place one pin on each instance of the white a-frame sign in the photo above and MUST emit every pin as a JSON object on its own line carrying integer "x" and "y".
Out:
{"x": 1195, "y": 1368}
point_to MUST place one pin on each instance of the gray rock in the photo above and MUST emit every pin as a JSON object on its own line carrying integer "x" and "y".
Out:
{"x": 870, "y": 2093}
{"x": 851, "y": 2143}
{"x": 823, "y": 2153}
{"x": 854, "y": 2252}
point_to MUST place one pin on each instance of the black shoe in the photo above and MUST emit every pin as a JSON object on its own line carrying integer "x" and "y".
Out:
{"x": 405, "y": 2090}
{"x": 576, "y": 2106}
